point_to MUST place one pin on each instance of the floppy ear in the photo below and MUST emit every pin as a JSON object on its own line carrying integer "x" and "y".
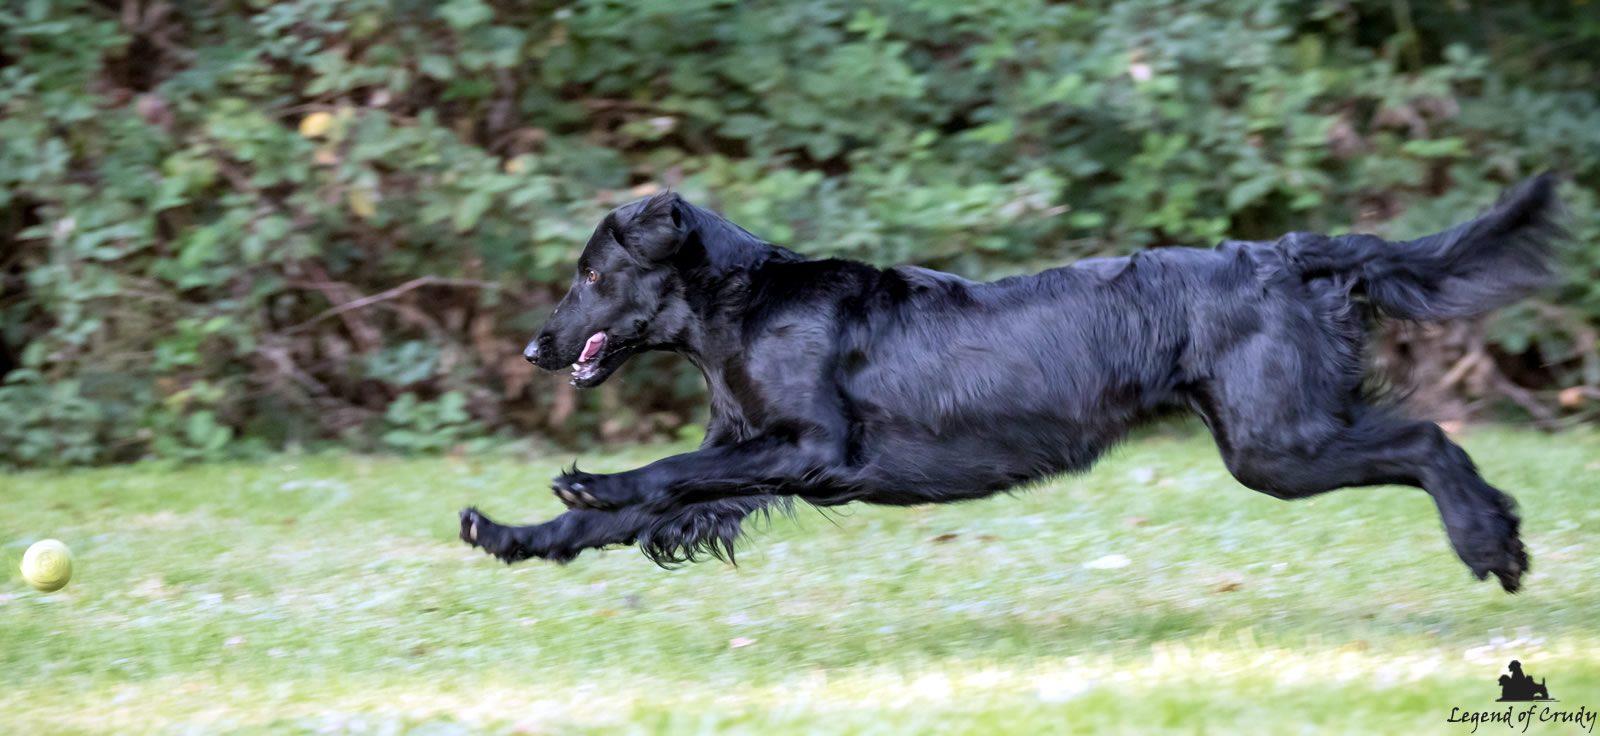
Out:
{"x": 658, "y": 228}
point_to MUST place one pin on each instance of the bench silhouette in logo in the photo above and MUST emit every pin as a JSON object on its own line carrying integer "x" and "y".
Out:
{"x": 1518, "y": 687}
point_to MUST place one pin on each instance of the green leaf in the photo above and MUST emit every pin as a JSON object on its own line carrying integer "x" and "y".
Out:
{"x": 464, "y": 14}
{"x": 1438, "y": 148}
{"x": 822, "y": 146}
{"x": 1086, "y": 220}
{"x": 452, "y": 408}
{"x": 200, "y": 426}
{"x": 402, "y": 438}
{"x": 437, "y": 66}
{"x": 470, "y": 210}
{"x": 743, "y": 125}
{"x": 1250, "y": 190}
{"x": 994, "y": 133}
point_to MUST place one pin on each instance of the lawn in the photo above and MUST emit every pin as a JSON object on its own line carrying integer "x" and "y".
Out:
{"x": 329, "y": 594}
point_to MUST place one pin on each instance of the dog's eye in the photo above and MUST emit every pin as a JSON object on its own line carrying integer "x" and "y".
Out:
{"x": 591, "y": 276}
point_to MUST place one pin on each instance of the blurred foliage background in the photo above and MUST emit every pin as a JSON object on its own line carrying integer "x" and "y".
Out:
{"x": 231, "y": 227}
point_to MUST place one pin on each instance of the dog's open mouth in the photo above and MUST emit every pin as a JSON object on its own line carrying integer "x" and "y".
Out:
{"x": 589, "y": 361}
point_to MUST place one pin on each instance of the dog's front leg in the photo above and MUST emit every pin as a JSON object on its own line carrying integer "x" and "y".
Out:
{"x": 677, "y": 536}
{"x": 557, "y": 540}
{"x": 756, "y": 467}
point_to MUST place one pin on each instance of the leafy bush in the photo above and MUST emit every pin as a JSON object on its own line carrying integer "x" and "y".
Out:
{"x": 234, "y": 225}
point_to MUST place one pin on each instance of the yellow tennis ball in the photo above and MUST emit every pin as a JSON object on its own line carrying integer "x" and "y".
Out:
{"x": 47, "y": 565}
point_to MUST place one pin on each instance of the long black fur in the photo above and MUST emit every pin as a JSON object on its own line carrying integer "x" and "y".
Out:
{"x": 834, "y": 381}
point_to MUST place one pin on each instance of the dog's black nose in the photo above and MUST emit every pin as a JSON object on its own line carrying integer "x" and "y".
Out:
{"x": 540, "y": 343}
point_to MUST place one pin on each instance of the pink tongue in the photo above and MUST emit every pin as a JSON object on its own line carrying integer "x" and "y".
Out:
{"x": 596, "y": 341}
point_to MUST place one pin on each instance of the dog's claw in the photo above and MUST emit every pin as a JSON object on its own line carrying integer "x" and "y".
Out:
{"x": 589, "y": 501}
{"x": 576, "y": 494}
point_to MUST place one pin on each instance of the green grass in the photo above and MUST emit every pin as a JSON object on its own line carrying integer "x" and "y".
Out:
{"x": 329, "y": 595}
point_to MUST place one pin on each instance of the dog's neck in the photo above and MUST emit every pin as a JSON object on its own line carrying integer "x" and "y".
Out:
{"x": 715, "y": 346}
{"x": 719, "y": 263}
{"x": 710, "y": 330}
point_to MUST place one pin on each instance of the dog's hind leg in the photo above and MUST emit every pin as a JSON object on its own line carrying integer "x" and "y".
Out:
{"x": 1380, "y": 449}
{"x": 1288, "y": 412}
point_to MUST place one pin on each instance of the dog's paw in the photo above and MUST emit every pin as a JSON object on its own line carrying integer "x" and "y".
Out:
{"x": 574, "y": 490}
{"x": 469, "y": 525}
{"x": 1488, "y": 542}
{"x": 1508, "y": 562}
{"x": 479, "y": 531}
{"x": 580, "y": 490}
{"x": 1507, "y": 559}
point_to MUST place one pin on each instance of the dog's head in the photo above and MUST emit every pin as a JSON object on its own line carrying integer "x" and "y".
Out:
{"x": 626, "y": 294}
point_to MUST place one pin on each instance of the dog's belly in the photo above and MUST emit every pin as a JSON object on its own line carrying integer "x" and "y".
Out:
{"x": 904, "y": 464}
{"x": 945, "y": 431}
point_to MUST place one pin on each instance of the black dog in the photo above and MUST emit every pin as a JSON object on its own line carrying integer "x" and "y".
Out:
{"x": 834, "y": 381}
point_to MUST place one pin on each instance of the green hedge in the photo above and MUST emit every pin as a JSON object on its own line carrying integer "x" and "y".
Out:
{"x": 216, "y": 214}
